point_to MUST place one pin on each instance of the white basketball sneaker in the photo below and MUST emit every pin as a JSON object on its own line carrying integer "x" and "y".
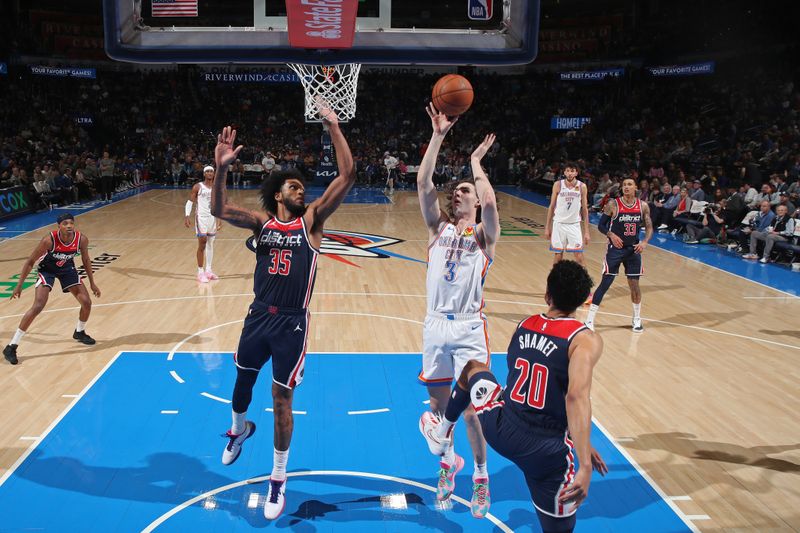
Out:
{"x": 275, "y": 499}
{"x": 428, "y": 426}
{"x": 234, "y": 446}
{"x": 637, "y": 325}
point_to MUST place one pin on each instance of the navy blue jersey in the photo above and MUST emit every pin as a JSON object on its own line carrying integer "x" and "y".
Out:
{"x": 627, "y": 222}
{"x": 286, "y": 265}
{"x": 60, "y": 255}
{"x": 538, "y": 371}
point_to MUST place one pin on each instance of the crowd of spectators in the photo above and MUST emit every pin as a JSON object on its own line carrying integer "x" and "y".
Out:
{"x": 718, "y": 137}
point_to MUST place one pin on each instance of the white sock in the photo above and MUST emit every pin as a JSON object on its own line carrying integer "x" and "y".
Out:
{"x": 279, "y": 460}
{"x": 449, "y": 456}
{"x": 80, "y": 326}
{"x": 637, "y": 309}
{"x": 199, "y": 270}
{"x": 238, "y": 422}
{"x": 209, "y": 253}
{"x": 592, "y": 311}
{"x": 480, "y": 471}
{"x": 17, "y": 336}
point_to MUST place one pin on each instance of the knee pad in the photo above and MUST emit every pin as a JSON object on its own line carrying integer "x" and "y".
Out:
{"x": 481, "y": 387}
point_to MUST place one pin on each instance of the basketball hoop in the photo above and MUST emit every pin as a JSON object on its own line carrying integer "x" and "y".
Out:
{"x": 336, "y": 85}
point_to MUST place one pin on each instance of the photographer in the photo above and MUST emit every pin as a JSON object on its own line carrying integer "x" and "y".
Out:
{"x": 712, "y": 225}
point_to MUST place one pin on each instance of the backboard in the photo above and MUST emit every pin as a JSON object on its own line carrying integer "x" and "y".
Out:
{"x": 387, "y": 32}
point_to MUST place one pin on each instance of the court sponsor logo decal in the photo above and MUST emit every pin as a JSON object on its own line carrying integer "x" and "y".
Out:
{"x": 511, "y": 228}
{"x": 338, "y": 244}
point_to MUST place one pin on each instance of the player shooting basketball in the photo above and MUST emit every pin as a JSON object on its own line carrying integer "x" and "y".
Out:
{"x": 461, "y": 246}
{"x": 288, "y": 235}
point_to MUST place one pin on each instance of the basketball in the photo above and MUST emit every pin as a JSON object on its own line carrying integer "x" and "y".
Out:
{"x": 452, "y": 95}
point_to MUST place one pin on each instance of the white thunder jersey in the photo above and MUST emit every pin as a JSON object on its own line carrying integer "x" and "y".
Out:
{"x": 568, "y": 204}
{"x": 457, "y": 267}
{"x": 204, "y": 201}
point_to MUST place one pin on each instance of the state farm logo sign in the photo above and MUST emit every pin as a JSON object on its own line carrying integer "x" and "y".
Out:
{"x": 321, "y": 23}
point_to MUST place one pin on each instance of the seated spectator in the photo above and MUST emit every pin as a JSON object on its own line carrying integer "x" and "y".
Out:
{"x": 697, "y": 194}
{"x": 768, "y": 195}
{"x": 780, "y": 229}
{"x": 657, "y": 202}
{"x": 749, "y": 194}
{"x": 602, "y": 188}
{"x": 783, "y": 199}
{"x": 684, "y": 208}
{"x": 668, "y": 209}
{"x": 711, "y": 228}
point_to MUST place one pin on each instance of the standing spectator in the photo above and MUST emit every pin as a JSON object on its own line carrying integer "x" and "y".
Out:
{"x": 268, "y": 162}
{"x": 390, "y": 162}
{"x": 107, "y": 167}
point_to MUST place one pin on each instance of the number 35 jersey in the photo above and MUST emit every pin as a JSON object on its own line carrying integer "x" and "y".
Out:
{"x": 286, "y": 265}
{"x": 457, "y": 266}
{"x": 538, "y": 371}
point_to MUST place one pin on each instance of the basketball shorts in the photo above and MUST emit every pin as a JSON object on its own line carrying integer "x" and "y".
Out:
{"x": 205, "y": 225}
{"x": 280, "y": 335}
{"x": 448, "y": 342}
{"x": 623, "y": 256}
{"x": 68, "y": 278}
{"x": 566, "y": 238}
{"x": 546, "y": 457}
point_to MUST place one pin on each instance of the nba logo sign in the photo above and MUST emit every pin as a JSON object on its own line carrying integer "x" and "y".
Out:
{"x": 479, "y": 9}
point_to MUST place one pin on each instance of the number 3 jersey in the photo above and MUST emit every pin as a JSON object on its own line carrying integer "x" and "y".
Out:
{"x": 538, "y": 371}
{"x": 286, "y": 265}
{"x": 457, "y": 266}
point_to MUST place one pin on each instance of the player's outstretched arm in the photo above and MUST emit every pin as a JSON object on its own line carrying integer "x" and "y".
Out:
{"x": 224, "y": 155}
{"x": 490, "y": 218}
{"x": 44, "y": 245}
{"x": 334, "y": 195}
{"x": 548, "y": 225}
{"x": 584, "y": 353}
{"x": 426, "y": 190}
{"x": 87, "y": 265}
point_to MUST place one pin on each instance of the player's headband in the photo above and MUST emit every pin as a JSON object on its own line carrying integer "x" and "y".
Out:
{"x": 207, "y": 168}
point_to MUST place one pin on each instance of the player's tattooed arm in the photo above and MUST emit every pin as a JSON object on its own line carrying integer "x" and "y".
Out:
{"x": 224, "y": 155}
{"x": 648, "y": 228}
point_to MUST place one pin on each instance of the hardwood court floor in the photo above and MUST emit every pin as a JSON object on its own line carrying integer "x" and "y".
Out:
{"x": 705, "y": 400}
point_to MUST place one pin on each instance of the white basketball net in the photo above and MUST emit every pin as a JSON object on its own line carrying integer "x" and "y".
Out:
{"x": 336, "y": 85}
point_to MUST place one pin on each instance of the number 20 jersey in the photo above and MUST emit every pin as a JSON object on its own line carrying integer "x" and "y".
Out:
{"x": 286, "y": 265}
{"x": 538, "y": 371}
{"x": 457, "y": 267}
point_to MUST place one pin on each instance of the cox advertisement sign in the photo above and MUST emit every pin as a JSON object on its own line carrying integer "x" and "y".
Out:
{"x": 14, "y": 201}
